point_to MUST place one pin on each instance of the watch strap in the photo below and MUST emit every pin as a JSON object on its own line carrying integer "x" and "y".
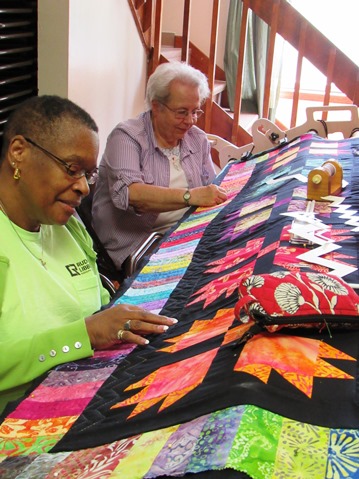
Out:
{"x": 186, "y": 197}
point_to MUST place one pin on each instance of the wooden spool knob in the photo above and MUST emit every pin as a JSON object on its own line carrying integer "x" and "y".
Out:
{"x": 317, "y": 179}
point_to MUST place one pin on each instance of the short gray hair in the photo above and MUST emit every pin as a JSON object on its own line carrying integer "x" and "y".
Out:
{"x": 41, "y": 117}
{"x": 158, "y": 84}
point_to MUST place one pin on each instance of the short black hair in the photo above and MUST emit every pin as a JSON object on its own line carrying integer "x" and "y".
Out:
{"x": 41, "y": 116}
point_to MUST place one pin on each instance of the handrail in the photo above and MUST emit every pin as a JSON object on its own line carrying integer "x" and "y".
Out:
{"x": 284, "y": 20}
{"x": 326, "y": 57}
{"x": 137, "y": 8}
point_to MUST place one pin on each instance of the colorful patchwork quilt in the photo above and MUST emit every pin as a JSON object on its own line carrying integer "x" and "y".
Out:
{"x": 196, "y": 402}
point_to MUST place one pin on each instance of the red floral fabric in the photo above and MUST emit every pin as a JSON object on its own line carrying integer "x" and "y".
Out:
{"x": 285, "y": 299}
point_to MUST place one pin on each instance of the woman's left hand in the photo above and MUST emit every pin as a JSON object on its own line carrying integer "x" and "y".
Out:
{"x": 125, "y": 322}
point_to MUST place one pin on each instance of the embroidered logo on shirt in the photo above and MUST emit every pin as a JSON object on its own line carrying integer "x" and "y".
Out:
{"x": 76, "y": 269}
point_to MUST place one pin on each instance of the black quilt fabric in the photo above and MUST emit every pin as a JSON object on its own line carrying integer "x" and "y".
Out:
{"x": 205, "y": 361}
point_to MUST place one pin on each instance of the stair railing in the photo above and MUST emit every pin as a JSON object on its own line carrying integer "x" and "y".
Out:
{"x": 284, "y": 20}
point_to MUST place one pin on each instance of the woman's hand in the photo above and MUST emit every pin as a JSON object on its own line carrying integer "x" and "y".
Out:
{"x": 150, "y": 198}
{"x": 124, "y": 323}
{"x": 210, "y": 195}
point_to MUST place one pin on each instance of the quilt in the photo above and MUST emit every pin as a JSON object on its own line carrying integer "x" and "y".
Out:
{"x": 283, "y": 405}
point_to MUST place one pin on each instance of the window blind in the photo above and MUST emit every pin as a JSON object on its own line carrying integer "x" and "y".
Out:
{"x": 18, "y": 55}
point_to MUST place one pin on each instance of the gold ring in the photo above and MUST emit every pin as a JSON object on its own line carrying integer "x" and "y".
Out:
{"x": 120, "y": 334}
{"x": 127, "y": 325}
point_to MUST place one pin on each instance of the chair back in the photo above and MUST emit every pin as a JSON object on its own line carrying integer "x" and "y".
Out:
{"x": 104, "y": 262}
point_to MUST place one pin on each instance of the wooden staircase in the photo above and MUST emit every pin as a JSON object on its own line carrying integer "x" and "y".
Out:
{"x": 172, "y": 52}
{"x": 284, "y": 20}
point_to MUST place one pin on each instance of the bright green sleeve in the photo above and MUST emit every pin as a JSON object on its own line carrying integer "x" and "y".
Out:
{"x": 21, "y": 361}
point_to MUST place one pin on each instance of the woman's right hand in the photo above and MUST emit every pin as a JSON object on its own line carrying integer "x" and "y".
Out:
{"x": 108, "y": 327}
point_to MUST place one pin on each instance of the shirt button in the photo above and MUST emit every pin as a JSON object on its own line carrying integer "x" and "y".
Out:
{"x": 78, "y": 345}
{"x": 52, "y": 353}
{"x": 65, "y": 349}
{"x": 42, "y": 358}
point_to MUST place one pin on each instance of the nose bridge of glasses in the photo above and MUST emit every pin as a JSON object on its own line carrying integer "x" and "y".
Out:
{"x": 191, "y": 115}
{"x": 183, "y": 114}
{"x": 92, "y": 176}
{"x": 81, "y": 184}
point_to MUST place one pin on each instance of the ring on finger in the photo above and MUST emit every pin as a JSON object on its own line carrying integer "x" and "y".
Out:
{"x": 120, "y": 334}
{"x": 127, "y": 325}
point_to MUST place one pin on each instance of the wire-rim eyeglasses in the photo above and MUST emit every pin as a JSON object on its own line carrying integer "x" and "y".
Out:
{"x": 71, "y": 168}
{"x": 182, "y": 113}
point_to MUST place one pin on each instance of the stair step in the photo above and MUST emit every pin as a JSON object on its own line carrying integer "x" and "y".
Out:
{"x": 174, "y": 54}
{"x": 171, "y": 53}
{"x": 246, "y": 118}
{"x": 219, "y": 86}
{"x": 168, "y": 39}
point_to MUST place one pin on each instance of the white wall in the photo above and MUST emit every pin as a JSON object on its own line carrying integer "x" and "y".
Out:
{"x": 53, "y": 45}
{"x": 90, "y": 52}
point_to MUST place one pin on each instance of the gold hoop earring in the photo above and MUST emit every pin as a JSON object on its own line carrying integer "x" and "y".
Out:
{"x": 17, "y": 174}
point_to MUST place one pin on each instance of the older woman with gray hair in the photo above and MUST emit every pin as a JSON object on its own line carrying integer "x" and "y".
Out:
{"x": 157, "y": 165}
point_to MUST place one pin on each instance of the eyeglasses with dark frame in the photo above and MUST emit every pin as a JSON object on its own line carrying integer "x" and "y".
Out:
{"x": 71, "y": 168}
{"x": 182, "y": 113}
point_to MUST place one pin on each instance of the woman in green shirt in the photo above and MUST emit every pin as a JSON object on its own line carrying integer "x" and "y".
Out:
{"x": 50, "y": 291}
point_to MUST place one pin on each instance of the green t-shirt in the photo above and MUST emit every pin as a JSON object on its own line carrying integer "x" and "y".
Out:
{"x": 42, "y": 309}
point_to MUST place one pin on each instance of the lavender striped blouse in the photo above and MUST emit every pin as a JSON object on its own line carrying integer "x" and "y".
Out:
{"x": 132, "y": 156}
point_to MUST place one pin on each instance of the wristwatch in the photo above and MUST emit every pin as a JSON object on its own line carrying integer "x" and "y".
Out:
{"x": 187, "y": 197}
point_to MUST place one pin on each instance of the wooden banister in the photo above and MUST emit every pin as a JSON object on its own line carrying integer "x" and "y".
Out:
{"x": 270, "y": 57}
{"x": 298, "y": 74}
{"x": 330, "y": 71}
{"x": 157, "y": 41}
{"x": 316, "y": 49}
{"x": 185, "y": 31}
{"x": 284, "y": 20}
{"x": 240, "y": 65}
{"x": 212, "y": 63}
